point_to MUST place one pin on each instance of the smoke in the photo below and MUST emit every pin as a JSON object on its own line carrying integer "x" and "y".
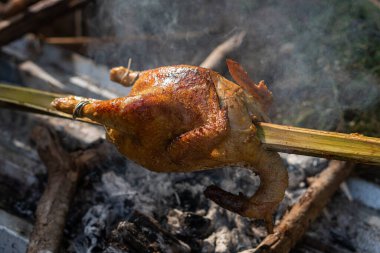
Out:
{"x": 154, "y": 33}
{"x": 316, "y": 56}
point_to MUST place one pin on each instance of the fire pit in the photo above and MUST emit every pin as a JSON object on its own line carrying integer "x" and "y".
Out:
{"x": 71, "y": 184}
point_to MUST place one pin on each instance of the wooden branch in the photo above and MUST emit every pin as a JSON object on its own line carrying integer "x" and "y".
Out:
{"x": 295, "y": 223}
{"x": 64, "y": 171}
{"x": 54, "y": 204}
{"x": 220, "y": 53}
{"x": 85, "y": 40}
{"x": 37, "y": 15}
{"x": 13, "y": 7}
{"x": 350, "y": 147}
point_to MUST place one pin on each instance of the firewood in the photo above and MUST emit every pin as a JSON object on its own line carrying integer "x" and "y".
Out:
{"x": 220, "y": 53}
{"x": 295, "y": 223}
{"x": 38, "y": 14}
{"x": 13, "y": 7}
{"x": 64, "y": 171}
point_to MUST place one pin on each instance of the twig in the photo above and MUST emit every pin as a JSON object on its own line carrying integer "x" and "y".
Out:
{"x": 64, "y": 171}
{"x": 219, "y": 54}
{"x": 55, "y": 201}
{"x": 84, "y": 40}
{"x": 39, "y": 14}
{"x": 295, "y": 223}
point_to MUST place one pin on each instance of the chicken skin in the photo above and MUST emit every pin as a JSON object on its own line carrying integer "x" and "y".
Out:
{"x": 186, "y": 118}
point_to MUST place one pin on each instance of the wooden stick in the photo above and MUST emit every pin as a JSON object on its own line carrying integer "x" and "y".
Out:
{"x": 64, "y": 171}
{"x": 288, "y": 139}
{"x": 54, "y": 204}
{"x": 350, "y": 147}
{"x": 84, "y": 40}
{"x": 218, "y": 56}
{"x": 295, "y": 223}
{"x": 13, "y": 7}
{"x": 37, "y": 15}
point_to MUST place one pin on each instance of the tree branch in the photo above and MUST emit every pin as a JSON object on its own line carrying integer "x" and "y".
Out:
{"x": 64, "y": 172}
{"x": 219, "y": 54}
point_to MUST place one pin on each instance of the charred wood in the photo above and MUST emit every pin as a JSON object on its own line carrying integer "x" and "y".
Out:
{"x": 143, "y": 234}
{"x": 64, "y": 171}
{"x": 13, "y": 7}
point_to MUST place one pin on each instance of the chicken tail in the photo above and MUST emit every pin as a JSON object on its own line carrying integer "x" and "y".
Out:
{"x": 259, "y": 91}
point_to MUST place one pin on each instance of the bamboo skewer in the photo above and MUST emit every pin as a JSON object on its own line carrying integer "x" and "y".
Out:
{"x": 332, "y": 145}
{"x": 288, "y": 139}
{"x": 32, "y": 100}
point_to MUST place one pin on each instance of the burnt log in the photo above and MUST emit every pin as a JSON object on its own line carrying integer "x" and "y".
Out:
{"x": 64, "y": 172}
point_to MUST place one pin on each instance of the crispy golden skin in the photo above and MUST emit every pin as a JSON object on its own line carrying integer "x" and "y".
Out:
{"x": 185, "y": 118}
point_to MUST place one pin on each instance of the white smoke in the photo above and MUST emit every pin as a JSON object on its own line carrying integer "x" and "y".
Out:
{"x": 306, "y": 51}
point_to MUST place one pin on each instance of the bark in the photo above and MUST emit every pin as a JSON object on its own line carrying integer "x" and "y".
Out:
{"x": 64, "y": 171}
{"x": 218, "y": 56}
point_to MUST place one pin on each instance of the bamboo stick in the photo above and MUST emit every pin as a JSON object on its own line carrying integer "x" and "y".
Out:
{"x": 32, "y": 100}
{"x": 288, "y": 139}
{"x": 23, "y": 96}
{"x": 332, "y": 145}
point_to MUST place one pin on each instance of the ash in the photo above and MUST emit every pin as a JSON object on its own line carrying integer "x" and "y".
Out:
{"x": 177, "y": 203}
{"x": 112, "y": 192}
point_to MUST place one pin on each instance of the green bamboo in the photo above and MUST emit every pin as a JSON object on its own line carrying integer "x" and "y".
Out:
{"x": 340, "y": 146}
{"x": 32, "y": 100}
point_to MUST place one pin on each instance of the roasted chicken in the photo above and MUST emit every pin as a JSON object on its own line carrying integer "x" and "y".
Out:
{"x": 186, "y": 118}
